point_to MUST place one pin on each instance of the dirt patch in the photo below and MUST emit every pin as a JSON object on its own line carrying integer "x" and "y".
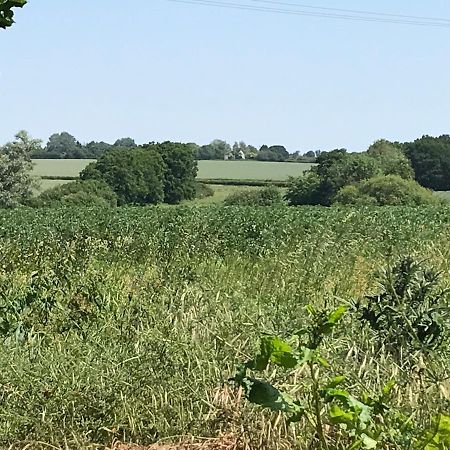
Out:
{"x": 222, "y": 443}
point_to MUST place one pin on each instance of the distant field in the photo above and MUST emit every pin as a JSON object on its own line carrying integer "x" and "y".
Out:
{"x": 445, "y": 195}
{"x": 250, "y": 170}
{"x": 60, "y": 167}
{"x": 235, "y": 170}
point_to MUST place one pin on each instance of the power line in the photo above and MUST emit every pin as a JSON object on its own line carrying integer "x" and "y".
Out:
{"x": 296, "y": 12}
{"x": 354, "y": 11}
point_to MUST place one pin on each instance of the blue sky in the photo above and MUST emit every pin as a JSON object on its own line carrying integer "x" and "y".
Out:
{"x": 157, "y": 70}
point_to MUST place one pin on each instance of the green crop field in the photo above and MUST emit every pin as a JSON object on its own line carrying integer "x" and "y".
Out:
{"x": 126, "y": 324}
{"x": 250, "y": 170}
{"x": 59, "y": 167}
{"x": 236, "y": 170}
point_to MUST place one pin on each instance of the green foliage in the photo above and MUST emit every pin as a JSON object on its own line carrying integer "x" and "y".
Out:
{"x": 16, "y": 181}
{"x": 203, "y": 190}
{"x": 386, "y": 190}
{"x": 266, "y": 196}
{"x": 430, "y": 159}
{"x": 121, "y": 324}
{"x": 62, "y": 145}
{"x": 339, "y": 419}
{"x": 411, "y": 311}
{"x": 7, "y": 12}
{"x": 217, "y": 149}
{"x": 79, "y": 193}
{"x": 125, "y": 143}
{"x": 180, "y": 170}
{"x": 273, "y": 153}
{"x": 135, "y": 175}
{"x": 334, "y": 170}
{"x": 391, "y": 159}
{"x": 304, "y": 190}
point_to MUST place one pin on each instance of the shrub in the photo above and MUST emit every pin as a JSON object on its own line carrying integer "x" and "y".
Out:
{"x": 386, "y": 190}
{"x": 430, "y": 159}
{"x": 148, "y": 175}
{"x": 203, "y": 190}
{"x": 268, "y": 196}
{"x": 180, "y": 170}
{"x": 135, "y": 175}
{"x": 411, "y": 309}
{"x": 304, "y": 190}
{"x": 78, "y": 193}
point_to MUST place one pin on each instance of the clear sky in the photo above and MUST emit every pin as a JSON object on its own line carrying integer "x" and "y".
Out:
{"x": 157, "y": 70}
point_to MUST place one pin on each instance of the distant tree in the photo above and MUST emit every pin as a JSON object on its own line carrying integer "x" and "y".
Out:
{"x": 240, "y": 150}
{"x": 339, "y": 168}
{"x": 180, "y": 170}
{"x": 64, "y": 145}
{"x": 125, "y": 143}
{"x": 94, "y": 150}
{"x": 310, "y": 154}
{"x": 386, "y": 190}
{"x": 391, "y": 159}
{"x": 16, "y": 181}
{"x": 7, "y": 12}
{"x": 217, "y": 149}
{"x": 273, "y": 153}
{"x": 430, "y": 159}
{"x": 135, "y": 175}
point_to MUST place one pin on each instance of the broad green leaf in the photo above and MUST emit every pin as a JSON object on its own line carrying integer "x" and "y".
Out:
{"x": 275, "y": 350}
{"x": 336, "y": 381}
{"x": 338, "y": 415}
{"x": 336, "y": 316}
{"x": 338, "y": 394}
{"x": 368, "y": 442}
{"x": 264, "y": 394}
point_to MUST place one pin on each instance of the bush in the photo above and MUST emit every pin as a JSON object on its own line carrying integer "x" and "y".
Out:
{"x": 268, "y": 196}
{"x": 304, "y": 190}
{"x": 148, "y": 175}
{"x": 411, "y": 310}
{"x": 78, "y": 193}
{"x": 430, "y": 159}
{"x": 386, "y": 190}
{"x": 180, "y": 170}
{"x": 135, "y": 175}
{"x": 202, "y": 190}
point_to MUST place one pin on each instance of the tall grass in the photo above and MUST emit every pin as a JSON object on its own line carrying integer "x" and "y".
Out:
{"x": 125, "y": 324}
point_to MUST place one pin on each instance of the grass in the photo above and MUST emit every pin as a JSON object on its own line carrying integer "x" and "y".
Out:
{"x": 125, "y": 324}
{"x": 250, "y": 170}
{"x": 59, "y": 167}
{"x": 220, "y": 194}
{"x": 236, "y": 170}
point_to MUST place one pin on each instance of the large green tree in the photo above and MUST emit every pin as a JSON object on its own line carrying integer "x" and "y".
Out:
{"x": 7, "y": 11}
{"x": 430, "y": 159}
{"x": 135, "y": 175}
{"x": 338, "y": 168}
{"x": 16, "y": 181}
{"x": 63, "y": 145}
{"x": 180, "y": 170}
{"x": 391, "y": 159}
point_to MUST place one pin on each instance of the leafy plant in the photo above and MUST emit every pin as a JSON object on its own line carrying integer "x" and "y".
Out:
{"x": 340, "y": 419}
{"x": 410, "y": 311}
{"x": 7, "y": 12}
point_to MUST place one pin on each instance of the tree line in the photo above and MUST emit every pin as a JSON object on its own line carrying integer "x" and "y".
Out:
{"x": 65, "y": 146}
{"x": 147, "y": 174}
{"x": 386, "y": 174}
